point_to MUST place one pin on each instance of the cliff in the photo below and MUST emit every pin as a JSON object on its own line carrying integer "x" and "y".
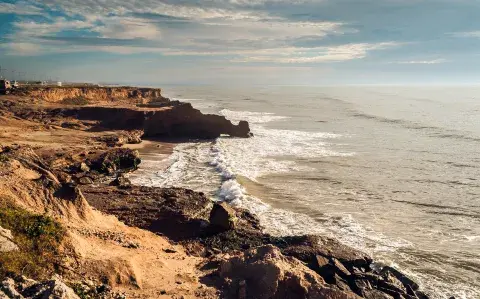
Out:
{"x": 92, "y": 94}
{"x": 179, "y": 121}
{"x": 61, "y": 182}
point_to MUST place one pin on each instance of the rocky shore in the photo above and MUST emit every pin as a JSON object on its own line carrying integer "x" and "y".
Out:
{"x": 61, "y": 171}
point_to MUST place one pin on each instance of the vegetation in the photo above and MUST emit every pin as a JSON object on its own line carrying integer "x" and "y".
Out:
{"x": 3, "y": 158}
{"x": 39, "y": 238}
{"x": 78, "y": 101}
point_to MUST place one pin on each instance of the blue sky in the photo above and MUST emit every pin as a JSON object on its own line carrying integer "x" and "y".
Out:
{"x": 314, "y": 42}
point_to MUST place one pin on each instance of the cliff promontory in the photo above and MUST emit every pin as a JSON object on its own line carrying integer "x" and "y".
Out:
{"x": 92, "y": 94}
{"x": 135, "y": 109}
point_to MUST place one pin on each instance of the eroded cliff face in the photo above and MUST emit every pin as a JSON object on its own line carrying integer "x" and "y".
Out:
{"x": 174, "y": 120}
{"x": 94, "y": 94}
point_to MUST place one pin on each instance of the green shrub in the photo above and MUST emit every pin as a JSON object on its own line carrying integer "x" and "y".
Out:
{"x": 3, "y": 158}
{"x": 79, "y": 101}
{"x": 39, "y": 238}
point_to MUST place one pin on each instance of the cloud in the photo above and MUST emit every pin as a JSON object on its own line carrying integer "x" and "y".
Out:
{"x": 467, "y": 34}
{"x": 233, "y": 30}
{"x": 20, "y": 8}
{"x": 21, "y": 49}
{"x": 128, "y": 28}
{"x": 434, "y": 61}
{"x": 319, "y": 54}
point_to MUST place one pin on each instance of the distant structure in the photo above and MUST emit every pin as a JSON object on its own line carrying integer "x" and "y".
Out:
{"x": 59, "y": 83}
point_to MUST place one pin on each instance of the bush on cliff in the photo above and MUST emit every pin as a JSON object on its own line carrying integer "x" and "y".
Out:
{"x": 39, "y": 238}
{"x": 78, "y": 101}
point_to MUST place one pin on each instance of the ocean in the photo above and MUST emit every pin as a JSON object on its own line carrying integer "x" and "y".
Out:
{"x": 393, "y": 171}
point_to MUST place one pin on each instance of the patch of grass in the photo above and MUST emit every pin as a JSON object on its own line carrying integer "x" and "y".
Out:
{"x": 78, "y": 101}
{"x": 3, "y": 158}
{"x": 39, "y": 238}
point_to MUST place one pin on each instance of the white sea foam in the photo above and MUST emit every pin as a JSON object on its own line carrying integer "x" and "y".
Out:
{"x": 251, "y": 117}
{"x": 214, "y": 168}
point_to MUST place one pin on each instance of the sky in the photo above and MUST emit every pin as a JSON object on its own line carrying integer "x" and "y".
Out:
{"x": 242, "y": 42}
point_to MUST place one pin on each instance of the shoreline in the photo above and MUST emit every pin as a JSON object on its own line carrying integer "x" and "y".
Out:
{"x": 229, "y": 240}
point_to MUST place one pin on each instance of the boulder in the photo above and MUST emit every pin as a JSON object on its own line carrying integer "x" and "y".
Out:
{"x": 85, "y": 180}
{"x": 6, "y": 241}
{"x": 264, "y": 272}
{"x": 116, "y": 160}
{"x": 83, "y": 167}
{"x": 223, "y": 217}
{"x": 52, "y": 289}
{"x": 8, "y": 288}
{"x": 121, "y": 182}
{"x": 340, "y": 268}
{"x": 3, "y": 295}
{"x": 394, "y": 273}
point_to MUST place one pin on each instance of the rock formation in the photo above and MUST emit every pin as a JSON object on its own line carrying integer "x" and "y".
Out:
{"x": 93, "y": 94}
{"x": 265, "y": 273}
{"x": 25, "y": 288}
{"x": 6, "y": 241}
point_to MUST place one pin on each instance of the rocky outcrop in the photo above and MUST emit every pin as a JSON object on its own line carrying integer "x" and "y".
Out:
{"x": 177, "y": 121}
{"x": 208, "y": 230}
{"x": 24, "y": 288}
{"x": 6, "y": 241}
{"x": 265, "y": 273}
{"x": 93, "y": 94}
{"x": 185, "y": 121}
{"x": 222, "y": 217}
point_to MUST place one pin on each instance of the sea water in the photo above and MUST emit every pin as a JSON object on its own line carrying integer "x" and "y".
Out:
{"x": 392, "y": 171}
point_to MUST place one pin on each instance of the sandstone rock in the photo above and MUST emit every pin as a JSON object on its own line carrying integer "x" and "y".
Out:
{"x": 269, "y": 274}
{"x": 83, "y": 167}
{"x": 223, "y": 217}
{"x": 6, "y": 241}
{"x": 85, "y": 180}
{"x": 3, "y": 295}
{"x": 8, "y": 288}
{"x": 322, "y": 261}
{"x": 340, "y": 268}
{"x": 52, "y": 289}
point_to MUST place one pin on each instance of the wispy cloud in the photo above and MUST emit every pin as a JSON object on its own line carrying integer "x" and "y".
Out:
{"x": 233, "y": 30}
{"x": 467, "y": 34}
{"x": 433, "y": 61}
{"x": 20, "y": 8}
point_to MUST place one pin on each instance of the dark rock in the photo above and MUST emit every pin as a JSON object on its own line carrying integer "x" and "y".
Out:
{"x": 376, "y": 294}
{"x": 361, "y": 286}
{"x": 52, "y": 289}
{"x": 179, "y": 219}
{"x": 185, "y": 121}
{"x": 116, "y": 160}
{"x": 340, "y": 268}
{"x": 341, "y": 283}
{"x": 85, "y": 180}
{"x": 222, "y": 217}
{"x": 306, "y": 248}
{"x": 400, "y": 276}
{"x": 322, "y": 261}
{"x": 121, "y": 182}
{"x": 179, "y": 120}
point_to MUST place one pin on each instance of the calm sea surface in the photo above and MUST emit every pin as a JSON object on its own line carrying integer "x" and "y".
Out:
{"x": 393, "y": 171}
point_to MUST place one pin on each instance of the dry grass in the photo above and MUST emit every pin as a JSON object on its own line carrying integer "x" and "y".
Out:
{"x": 39, "y": 238}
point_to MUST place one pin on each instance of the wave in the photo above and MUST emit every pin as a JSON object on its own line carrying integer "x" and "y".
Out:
{"x": 432, "y": 131}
